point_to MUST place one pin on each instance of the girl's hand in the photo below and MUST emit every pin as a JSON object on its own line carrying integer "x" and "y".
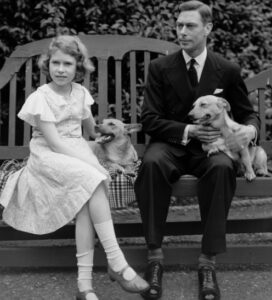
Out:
{"x": 205, "y": 134}
{"x": 89, "y": 125}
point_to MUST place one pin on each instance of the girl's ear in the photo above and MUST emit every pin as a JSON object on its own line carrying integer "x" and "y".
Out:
{"x": 135, "y": 127}
{"x": 223, "y": 103}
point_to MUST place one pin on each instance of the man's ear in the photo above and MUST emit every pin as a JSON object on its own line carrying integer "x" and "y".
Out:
{"x": 208, "y": 28}
{"x": 135, "y": 127}
{"x": 221, "y": 102}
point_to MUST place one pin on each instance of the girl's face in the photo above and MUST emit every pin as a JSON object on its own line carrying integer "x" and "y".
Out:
{"x": 62, "y": 68}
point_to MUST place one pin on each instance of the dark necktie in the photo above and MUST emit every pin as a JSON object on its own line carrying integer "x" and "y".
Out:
{"x": 192, "y": 73}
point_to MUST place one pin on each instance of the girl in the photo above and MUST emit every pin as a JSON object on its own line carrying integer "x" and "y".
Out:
{"x": 63, "y": 179}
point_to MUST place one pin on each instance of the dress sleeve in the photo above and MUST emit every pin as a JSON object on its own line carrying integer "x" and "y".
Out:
{"x": 34, "y": 106}
{"x": 88, "y": 101}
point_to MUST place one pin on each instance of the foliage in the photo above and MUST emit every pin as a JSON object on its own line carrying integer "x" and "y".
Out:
{"x": 243, "y": 29}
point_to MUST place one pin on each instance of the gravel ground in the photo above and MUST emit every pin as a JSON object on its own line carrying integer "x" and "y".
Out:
{"x": 181, "y": 284}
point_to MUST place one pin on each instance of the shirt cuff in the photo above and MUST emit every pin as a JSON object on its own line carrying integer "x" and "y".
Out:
{"x": 185, "y": 139}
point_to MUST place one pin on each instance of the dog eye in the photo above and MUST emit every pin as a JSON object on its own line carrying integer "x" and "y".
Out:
{"x": 203, "y": 104}
{"x": 112, "y": 124}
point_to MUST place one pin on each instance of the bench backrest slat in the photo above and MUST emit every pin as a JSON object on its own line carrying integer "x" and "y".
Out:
{"x": 28, "y": 90}
{"x": 42, "y": 78}
{"x": 12, "y": 110}
{"x": 102, "y": 88}
{"x": 146, "y": 63}
{"x": 261, "y": 104}
{"x": 87, "y": 81}
{"x": 133, "y": 86}
{"x": 118, "y": 89}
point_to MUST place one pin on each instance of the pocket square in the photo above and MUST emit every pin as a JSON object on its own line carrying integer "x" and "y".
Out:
{"x": 218, "y": 91}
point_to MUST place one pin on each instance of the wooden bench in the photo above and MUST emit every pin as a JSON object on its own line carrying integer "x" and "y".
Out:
{"x": 117, "y": 85}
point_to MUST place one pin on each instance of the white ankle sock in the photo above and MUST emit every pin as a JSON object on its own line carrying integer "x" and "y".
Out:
{"x": 85, "y": 268}
{"x": 115, "y": 256}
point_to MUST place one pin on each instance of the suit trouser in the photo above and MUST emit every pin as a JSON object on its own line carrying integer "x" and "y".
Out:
{"x": 162, "y": 165}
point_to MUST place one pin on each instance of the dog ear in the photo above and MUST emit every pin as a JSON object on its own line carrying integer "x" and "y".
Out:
{"x": 135, "y": 127}
{"x": 223, "y": 103}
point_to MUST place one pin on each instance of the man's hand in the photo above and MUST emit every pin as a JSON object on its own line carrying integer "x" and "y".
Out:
{"x": 241, "y": 138}
{"x": 205, "y": 134}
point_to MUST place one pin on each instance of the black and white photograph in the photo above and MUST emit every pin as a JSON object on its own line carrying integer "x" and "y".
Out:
{"x": 135, "y": 149}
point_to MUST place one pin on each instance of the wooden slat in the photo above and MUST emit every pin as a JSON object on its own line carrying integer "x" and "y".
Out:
{"x": 42, "y": 78}
{"x": 262, "y": 108}
{"x": 13, "y": 152}
{"x": 118, "y": 89}
{"x": 176, "y": 255}
{"x": 10, "y": 234}
{"x": 86, "y": 82}
{"x": 11, "y": 67}
{"x": 260, "y": 80}
{"x": 0, "y": 118}
{"x": 28, "y": 90}
{"x": 146, "y": 63}
{"x": 261, "y": 186}
{"x": 135, "y": 229}
{"x": 133, "y": 92}
{"x": 12, "y": 110}
{"x": 102, "y": 89}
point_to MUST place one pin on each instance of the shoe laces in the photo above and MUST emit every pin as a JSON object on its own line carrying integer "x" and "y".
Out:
{"x": 155, "y": 273}
{"x": 208, "y": 278}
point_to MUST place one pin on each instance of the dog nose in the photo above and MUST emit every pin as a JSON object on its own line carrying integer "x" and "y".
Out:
{"x": 192, "y": 118}
{"x": 191, "y": 115}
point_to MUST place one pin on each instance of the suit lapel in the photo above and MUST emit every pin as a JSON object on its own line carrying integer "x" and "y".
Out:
{"x": 177, "y": 76}
{"x": 210, "y": 77}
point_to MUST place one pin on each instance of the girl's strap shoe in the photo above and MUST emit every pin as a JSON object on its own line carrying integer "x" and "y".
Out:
{"x": 129, "y": 280}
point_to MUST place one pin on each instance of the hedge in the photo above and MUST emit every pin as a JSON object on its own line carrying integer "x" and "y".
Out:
{"x": 242, "y": 29}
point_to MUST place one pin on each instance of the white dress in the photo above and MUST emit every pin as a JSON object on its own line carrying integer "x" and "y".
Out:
{"x": 50, "y": 190}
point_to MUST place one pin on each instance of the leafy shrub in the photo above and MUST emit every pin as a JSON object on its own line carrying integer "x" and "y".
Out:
{"x": 242, "y": 29}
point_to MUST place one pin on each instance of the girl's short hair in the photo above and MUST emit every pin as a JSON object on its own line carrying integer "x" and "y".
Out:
{"x": 73, "y": 46}
{"x": 204, "y": 10}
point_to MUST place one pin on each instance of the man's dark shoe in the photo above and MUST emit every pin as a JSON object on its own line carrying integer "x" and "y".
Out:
{"x": 208, "y": 287}
{"x": 153, "y": 276}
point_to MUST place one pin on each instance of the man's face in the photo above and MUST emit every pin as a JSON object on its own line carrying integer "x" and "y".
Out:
{"x": 192, "y": 32}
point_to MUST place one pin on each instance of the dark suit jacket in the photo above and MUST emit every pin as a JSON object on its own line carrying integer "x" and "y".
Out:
{"x": 169, "y": 95}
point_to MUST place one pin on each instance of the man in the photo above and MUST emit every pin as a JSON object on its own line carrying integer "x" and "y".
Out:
{"x": 174, "y": 82}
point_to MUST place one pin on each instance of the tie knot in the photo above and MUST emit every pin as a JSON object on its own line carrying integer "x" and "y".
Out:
{"x": 192, "y": 62}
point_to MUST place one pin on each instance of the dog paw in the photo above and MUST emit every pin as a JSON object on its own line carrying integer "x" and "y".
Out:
{"x": 249, "y": 176}
{"x": 261, "y": 172}
{"x": 117, "y": 168}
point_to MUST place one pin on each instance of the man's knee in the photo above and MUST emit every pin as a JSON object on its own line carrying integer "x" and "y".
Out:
{"x": 153, "y": 158}
{"x": 222, "y": 163}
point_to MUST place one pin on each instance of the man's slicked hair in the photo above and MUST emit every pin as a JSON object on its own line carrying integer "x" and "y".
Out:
{"x": 204, "y": 10}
